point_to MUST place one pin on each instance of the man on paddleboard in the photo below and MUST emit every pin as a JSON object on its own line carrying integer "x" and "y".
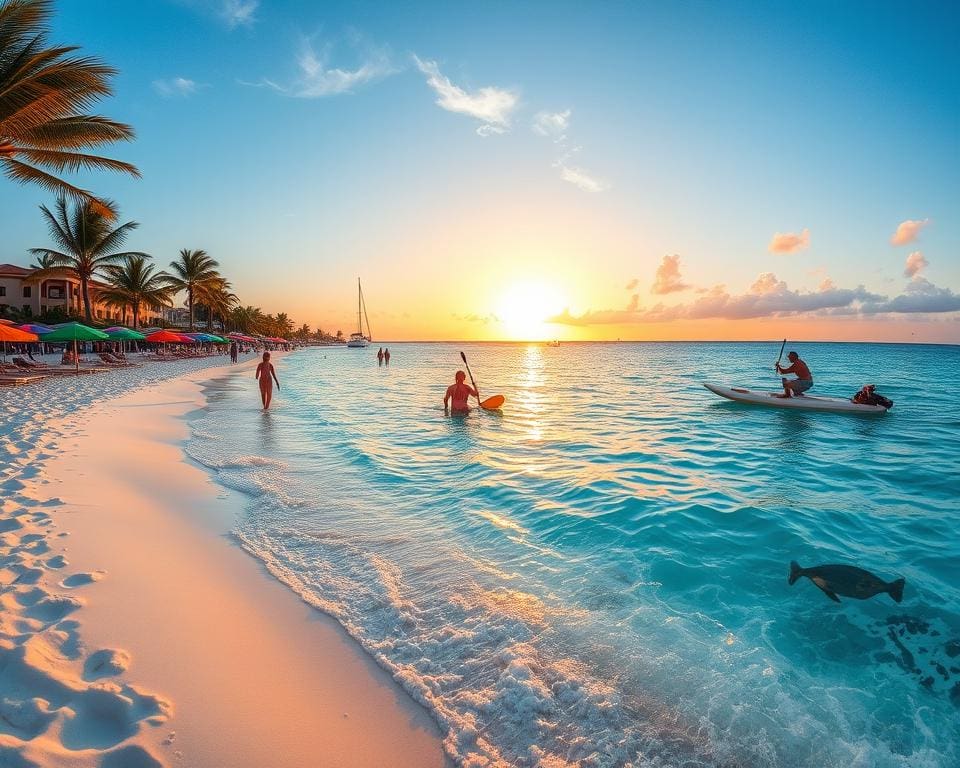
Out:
{"x": 804, "y": 379}
{"x": 457, "y": 394}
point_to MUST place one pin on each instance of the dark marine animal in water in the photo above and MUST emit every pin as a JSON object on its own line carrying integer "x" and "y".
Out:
{"x": 847, "y": 580}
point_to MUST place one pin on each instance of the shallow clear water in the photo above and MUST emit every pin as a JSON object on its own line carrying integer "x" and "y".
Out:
{"x": 598, "y": 575}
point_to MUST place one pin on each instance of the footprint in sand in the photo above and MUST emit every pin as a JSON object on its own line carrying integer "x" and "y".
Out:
{"x": 108, "y": 662}
{"x": 57, "y": 561}
{"x": 53, "y": 608}
{"x": 82, "y": 579}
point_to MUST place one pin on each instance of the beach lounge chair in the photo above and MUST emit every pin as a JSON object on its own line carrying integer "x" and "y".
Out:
{"x": 11, "y": 376}
{"x": 107, "y": 359}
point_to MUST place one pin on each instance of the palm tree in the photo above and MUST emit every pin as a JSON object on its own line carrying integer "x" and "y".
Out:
{"x": 248, "y": 320}
{"x": 191, "y": 270}
{"x": 284, "y": 325}
{"x": 43, "y": 91}
{"x": 215, "y": 297}
{"x": 134, "y": 283}
{"x": 86, "y": 239}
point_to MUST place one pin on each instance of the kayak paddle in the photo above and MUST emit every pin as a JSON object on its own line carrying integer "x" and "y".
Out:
{"x": 491, "y": 403}
{"x": 780, "y": 356}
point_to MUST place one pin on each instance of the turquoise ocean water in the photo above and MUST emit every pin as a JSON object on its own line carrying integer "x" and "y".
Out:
{"x": 597, "y": 576}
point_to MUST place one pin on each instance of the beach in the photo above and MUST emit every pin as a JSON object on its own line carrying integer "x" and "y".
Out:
{"x": 136, "y": 631}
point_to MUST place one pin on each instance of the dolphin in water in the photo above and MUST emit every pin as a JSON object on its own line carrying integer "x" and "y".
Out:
{"x": 847, "y": 580}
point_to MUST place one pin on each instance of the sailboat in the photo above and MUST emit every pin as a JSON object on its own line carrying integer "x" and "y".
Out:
{"x": 358, "y": 340}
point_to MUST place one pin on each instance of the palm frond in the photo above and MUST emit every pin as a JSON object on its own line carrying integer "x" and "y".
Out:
{"x": 76, "y": 132}
{"x": 22, "y": 172}
{"x": 75, "y": 161}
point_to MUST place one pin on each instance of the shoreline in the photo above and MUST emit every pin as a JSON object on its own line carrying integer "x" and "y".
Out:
{"x": 243, "y": 670}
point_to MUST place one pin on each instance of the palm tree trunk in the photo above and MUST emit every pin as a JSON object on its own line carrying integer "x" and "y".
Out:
{"x": 136, "y": 316}
{"x": 85, "y": 290}
{"x": 190, "y": 305}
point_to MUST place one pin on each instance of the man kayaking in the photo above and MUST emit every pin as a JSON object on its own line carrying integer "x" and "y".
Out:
{"x": 804, "y": 379}
{"x": 457, "y": 394}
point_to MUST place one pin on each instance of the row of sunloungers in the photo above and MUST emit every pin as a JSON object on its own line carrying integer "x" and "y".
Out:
{"x": 178, "y": 355}
{"x": 22, "y": 371}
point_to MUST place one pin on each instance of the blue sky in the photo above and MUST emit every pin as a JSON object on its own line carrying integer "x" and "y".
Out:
{"x": 573, "y": 148}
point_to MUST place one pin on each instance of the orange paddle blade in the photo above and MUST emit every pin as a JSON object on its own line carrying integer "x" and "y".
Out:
{"x": 492, "y": 403}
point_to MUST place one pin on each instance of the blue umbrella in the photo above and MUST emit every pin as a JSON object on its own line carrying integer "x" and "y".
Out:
{"x": 35, "y": 328}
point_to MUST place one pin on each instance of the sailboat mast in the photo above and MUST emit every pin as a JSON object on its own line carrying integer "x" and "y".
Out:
{"x": 359, "y": 316}
{"x": 364, "y": 305}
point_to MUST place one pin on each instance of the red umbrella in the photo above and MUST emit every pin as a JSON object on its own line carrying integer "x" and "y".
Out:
{"x": 165, "y": 336}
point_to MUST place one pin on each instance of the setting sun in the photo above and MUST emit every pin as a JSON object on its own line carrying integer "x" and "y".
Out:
{"x": 523, "y": 309}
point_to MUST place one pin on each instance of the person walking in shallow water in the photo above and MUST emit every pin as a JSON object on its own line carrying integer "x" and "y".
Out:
{"x": 233, "y": 352}
{"x": 386, "y": 355}
{"x": 380, "y": 356}
{"x": 264, "y": 373}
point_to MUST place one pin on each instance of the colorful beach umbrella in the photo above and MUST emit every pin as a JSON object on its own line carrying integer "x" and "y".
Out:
{"x": 124, "y": 334}
{"x": 75, "y": 332}
{"x": 15, "y": 335}
{"x": 4, "y": 321}
{"x": 35, "y": 328}
{"x": 164, "y": 336}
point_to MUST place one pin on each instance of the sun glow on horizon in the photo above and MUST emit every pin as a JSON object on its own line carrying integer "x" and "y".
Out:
{"x": 523, "y": 309}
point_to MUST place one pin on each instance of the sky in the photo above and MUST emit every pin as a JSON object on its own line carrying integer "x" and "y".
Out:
{"x": 503, "y": 170}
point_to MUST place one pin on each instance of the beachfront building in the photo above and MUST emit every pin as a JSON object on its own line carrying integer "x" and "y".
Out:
{"x": 177, "y": 317}
{"x": 27, "y": 295}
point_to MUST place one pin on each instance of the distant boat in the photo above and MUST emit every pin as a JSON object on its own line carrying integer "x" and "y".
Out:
{"x": 358, "y": 340}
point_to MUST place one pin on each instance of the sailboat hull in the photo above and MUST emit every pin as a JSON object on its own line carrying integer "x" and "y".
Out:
{"x": 358, "y": 343}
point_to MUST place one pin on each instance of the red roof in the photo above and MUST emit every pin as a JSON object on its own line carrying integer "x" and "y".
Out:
{"x": 13, "y": 269}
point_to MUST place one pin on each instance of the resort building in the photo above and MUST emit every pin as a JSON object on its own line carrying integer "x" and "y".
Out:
{"x": 30, "y": 296}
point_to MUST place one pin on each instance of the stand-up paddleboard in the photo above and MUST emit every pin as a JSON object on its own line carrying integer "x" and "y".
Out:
{"x": 802, "y": 403}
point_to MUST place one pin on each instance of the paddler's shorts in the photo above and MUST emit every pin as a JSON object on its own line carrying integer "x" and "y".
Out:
{"x": 801, "y": 385}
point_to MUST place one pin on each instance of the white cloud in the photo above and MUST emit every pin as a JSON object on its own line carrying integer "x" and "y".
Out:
{"x": 908, "y": 230}
{"x": 316, "y": 78}
{"x": 916, "y": 262}
{"x": 492, "y": 106}
{"x": 668, "y": 279}
{"x": 554, "y": 125}
{"x": 580, "y": 178}
{"x": 771, "y": 297}
{"x": 789, "y": 242}
{"x": 175, "y": 86}
{"x": 921, "y": 296}
{"x": 239, "y": 13}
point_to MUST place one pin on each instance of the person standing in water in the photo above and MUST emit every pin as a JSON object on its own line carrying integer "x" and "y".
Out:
{"x": 233, "y": 351}
{"x": 264, "y": 373}
{"x": 386, "y": 355}
{"x": 380, "y": 356}
{"x": 804, "y": 380}
{"x": 457, "y": 394}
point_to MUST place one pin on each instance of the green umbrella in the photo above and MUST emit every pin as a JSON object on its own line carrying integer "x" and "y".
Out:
{"x": 75, "y": 332}
{"x": 124, "y": 334}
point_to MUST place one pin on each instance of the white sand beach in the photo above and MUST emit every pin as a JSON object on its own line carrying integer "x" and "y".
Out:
{"x": 135, "y": 632}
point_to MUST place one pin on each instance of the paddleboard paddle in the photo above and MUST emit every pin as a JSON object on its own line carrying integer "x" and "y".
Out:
{"x": 780, "y": 356}
{"x": 491, "y": 403}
